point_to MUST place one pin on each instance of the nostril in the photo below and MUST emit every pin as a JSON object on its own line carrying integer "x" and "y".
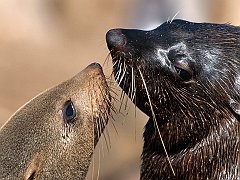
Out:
{"x": 115, "y": 40}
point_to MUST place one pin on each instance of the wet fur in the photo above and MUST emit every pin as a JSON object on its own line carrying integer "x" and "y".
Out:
{"x": 198, "y": 120}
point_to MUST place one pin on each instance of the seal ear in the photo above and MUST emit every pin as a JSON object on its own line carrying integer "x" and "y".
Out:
{"x": 33, "y": 167}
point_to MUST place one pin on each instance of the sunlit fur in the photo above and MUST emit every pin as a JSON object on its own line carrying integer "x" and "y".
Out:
{"x": 199, "y": 124}
{"x": 37, "y": 143}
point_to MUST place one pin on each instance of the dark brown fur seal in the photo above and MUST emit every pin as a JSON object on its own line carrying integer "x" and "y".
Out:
{"x": 53, "y": 136}
{"x": 186, "y": 77}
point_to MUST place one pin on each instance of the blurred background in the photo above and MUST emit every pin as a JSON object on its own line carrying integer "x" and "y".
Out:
{"x": 44, "y": 42}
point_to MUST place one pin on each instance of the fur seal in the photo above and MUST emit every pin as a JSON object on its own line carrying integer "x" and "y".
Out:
{"x": 53, "y": 136}
{"x": 186, "y": 77}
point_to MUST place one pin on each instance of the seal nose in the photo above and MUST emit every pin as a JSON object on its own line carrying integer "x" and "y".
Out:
{"x": 116, "y": 40}
{"x": 93, "y": 69}
{"x": 95, "y": 65}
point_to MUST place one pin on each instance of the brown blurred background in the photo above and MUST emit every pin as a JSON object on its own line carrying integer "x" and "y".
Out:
{"x": 43, "y": 42}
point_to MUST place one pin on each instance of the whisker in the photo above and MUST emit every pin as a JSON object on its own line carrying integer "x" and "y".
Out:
{"x": 155, "y": 121}
{"x": 93, "y": 133}
{"x": 93, "y": 169}
{"x": 108, "y": 148}
{"x": 118, "y": 74}
{"x": 114, "y": 127}
{"x": 99, "y": 164}
{"x": 106, "y": 130}
{"x": 174, "y": 16}
{"x": 121, "y": 100}
{"x": 107, "y": 59}
{"x": 123, "y": 74}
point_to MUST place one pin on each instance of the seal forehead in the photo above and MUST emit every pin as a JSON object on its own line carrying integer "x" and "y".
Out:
{"x": 178, "y": 47}
{"x": 210, "y": 61}
{"x": 237, "y": 81}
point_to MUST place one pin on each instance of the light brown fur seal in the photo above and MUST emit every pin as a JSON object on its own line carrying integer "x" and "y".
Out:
{"x": 53, "y": 136}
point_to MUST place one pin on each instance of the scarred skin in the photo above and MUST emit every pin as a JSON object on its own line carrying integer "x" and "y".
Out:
{"x": 39, "y": 142}
{"x": 186, "y": 77}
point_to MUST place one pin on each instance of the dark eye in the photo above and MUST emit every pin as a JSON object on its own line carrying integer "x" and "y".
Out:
{"x": 69, "y": 111}
{"x": 184, "y": 74}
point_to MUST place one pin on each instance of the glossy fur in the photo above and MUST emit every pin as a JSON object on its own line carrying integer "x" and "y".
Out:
{"x": 186, "y": 77}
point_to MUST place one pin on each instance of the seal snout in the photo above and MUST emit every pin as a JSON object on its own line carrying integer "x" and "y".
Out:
{"x": 95, "y": 65}
{"x": 94, "y": 68}
{"x": 116, "y": 40}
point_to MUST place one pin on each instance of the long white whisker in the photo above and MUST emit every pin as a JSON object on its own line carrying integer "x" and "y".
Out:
{"x": 155, "y": 121}
{"x": 174, "y": 16}
{"x": 123, "y": 74}
{"x": 99, "y": 164}
{"x": 118, "y": 74}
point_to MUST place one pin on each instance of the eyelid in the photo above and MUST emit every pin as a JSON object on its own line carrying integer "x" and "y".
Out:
{"x": 182, "y": 64}
{"x": 180, "y": 55}
{"x": 176, "y": 56}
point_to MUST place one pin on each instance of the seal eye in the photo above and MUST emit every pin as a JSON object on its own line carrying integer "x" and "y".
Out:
{"x": 69, "y": 111}
{"x": 183, "y": 74}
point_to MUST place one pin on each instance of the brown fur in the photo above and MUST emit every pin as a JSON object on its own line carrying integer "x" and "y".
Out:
{"x": 37, "y": 143}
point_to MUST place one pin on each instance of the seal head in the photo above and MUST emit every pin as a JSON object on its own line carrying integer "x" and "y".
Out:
{"x": 185, "y": 77}
{"x": 53, "y": 136}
